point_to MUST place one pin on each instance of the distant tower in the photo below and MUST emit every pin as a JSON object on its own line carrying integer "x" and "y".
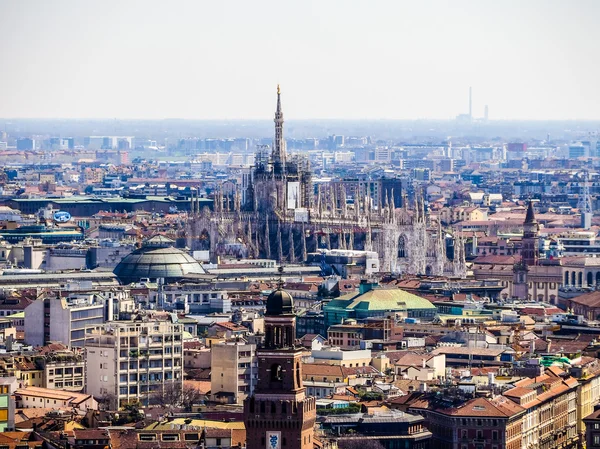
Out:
{"x": 470, "y": 103}
{"x": 529, "y": 252}
{"x": 529, "y": 255}
{"x": 279, "y": 415}
{"x": 585, "y": 203}
{"x": 486, "y": 113}
{"x": 279, "y": 153}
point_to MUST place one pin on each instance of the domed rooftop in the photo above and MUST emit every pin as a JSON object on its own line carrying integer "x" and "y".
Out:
{"x": 157, "y": 258}
{"x": 279, "y": 302}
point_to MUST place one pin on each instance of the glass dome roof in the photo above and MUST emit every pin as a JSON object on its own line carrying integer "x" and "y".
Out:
{"x": 157, "y": 259}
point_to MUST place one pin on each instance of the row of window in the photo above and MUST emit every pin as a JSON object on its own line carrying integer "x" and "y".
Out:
{"x": 65, "y": 371}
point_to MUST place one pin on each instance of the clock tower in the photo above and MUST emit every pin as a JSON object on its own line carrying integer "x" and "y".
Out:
{"x": 279, "y": 415}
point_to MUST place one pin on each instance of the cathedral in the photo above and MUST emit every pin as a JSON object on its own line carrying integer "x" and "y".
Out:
{"x": 282, "y": 216}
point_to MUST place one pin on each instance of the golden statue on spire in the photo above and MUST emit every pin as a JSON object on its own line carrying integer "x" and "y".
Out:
{"x": 278, "y": 90}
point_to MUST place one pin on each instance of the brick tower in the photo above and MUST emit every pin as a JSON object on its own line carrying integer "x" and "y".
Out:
{"x": 530, "y": 251}
{"x": 279, "y": 415}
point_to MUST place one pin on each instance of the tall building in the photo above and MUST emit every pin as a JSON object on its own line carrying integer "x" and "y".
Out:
{"x": 530, "y": 250}
{"x": 279, "y": 414}
{"x": 233, "y": 371}
{"x": 25, "y": 144}
{"x": 130, "y": 361}
{"x": 63, "y": 319}
{"x": 279, "y": 182}
{"x": 529, "y": 255}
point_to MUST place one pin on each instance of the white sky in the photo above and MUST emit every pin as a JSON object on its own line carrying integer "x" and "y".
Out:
{"x": 213, "y": 59}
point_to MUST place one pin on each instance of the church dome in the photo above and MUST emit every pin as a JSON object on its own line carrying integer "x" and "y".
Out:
{"x": 157, "y": 258}
{"x": 280, "y": 302}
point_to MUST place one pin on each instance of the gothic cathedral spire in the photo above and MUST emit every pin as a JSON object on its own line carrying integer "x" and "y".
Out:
{"x": 279, "y": 152}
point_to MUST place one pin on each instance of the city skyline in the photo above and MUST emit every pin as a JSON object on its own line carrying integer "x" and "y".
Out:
{"x": 394, "y": 61}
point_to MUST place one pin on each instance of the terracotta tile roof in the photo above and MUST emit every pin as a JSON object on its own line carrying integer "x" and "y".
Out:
{"x": 359, "y": 370}
{"x": 91, "y": 434}
{"x": 587, "y": 299}
{"x": 231, "y": 326}
{"x": 484, "y": 407}
{"x": 71, "y": 397}
{"x": 317, "y": 369}
{"x": 412, "y": 359}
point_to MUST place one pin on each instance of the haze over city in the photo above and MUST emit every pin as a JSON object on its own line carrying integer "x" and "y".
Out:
{"x": 299, "y": 224}
{"x": 339, "y": 59}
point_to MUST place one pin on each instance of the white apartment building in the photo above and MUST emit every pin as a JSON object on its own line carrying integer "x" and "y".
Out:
{"x": 64, "y": 319}
{"x": 132, "y": 360}
{"x": 192, "y": 298}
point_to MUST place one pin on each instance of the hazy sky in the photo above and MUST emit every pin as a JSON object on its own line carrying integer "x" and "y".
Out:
{"x": 334, "y": 59}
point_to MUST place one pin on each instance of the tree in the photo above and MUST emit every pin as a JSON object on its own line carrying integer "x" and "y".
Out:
{"x": 169, "y": 396}
{"x": 191, "y": 396}
{"x": 359, "y": 443}
{"x": 107, "y": 401}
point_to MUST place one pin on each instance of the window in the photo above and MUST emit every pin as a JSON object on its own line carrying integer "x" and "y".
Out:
{"x": 147, "y": 437}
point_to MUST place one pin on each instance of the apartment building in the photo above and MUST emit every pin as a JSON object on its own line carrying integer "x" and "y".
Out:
{"x": 8, "y": 385}
{"x": 587, "y": 373}
{"x": 23, "y": 368}
{"x": 350, "y": 335}
{"x": 130, "y": 361}
{"x": 480, "y": 423}
{"x": 63, "y": 370}
{"x": 550, "y": 403}
{"x": 64, "y": 320}
{"x": 234, "y": 371}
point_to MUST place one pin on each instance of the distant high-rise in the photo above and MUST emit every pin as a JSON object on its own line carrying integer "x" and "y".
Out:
{"x": 486, "y": 113}
{"x": 25, "y": 144}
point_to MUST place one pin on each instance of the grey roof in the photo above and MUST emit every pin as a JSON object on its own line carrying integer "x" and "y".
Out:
{"x": 156, "y": 262}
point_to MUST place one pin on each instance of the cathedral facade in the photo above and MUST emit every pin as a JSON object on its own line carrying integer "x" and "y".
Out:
{"x": 284, "y": 217}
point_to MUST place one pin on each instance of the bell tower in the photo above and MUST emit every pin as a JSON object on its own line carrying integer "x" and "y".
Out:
{"x": 529, "y": 251}
{"x": 279, "y": 415}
